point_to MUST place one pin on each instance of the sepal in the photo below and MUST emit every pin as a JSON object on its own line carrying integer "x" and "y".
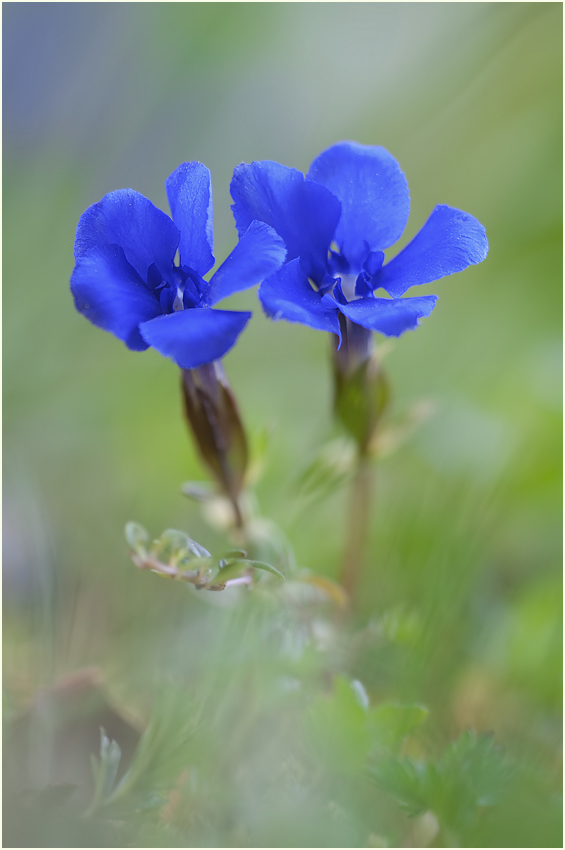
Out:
{"x": 361, "y": 390}
{"x": 213, "y": 416}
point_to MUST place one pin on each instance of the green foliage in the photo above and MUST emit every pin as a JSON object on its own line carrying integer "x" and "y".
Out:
{"x": 470, "y": 775}
{"x": 175, "y": 555}
{"x": 392, "y": 722}
{"x": 337, "y": 726}
{"x": 465, "y": 788}
{"x": 105, "y": 770}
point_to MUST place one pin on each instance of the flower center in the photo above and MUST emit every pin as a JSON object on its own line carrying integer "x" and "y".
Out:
{"x": 348, "y": 286}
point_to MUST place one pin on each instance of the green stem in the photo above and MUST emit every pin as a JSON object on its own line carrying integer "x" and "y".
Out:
{"x": 360, "y": 510}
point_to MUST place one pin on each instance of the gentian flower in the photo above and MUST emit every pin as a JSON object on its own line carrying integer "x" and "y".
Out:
{"x": 126, "y": 282}
{"x": 336, "y": 223}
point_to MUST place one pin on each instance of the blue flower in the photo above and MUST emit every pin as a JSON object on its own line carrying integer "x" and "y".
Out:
{"x": 126, "y": 282}
{"x": 336, "y": 223}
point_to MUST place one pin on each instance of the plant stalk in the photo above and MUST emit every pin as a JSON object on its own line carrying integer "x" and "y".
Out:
{"x": 358, "y": 526}
{"x": 361, "y": 395}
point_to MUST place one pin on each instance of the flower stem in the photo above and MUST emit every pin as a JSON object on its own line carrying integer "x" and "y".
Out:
{"x": 238, "y": 516}
{"x": 360, "y": 509}
{"x": 361, "y": 396}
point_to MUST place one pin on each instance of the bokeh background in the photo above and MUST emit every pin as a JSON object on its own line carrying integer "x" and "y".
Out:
{"x": 465, "y": 542}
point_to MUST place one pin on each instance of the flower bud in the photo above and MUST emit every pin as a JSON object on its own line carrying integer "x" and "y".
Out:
{"x": 213, "y": 416}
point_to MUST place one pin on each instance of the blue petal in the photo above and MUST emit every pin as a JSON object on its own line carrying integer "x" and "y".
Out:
{"x": 374, "y": 262}
{"x": 449, "y": 241}
{"x": 338, "y": 293}
{"x": 304, "y": 214}
{"x": 362, "y": 287}
{"x": 189, "y": 190}
{"x": 259, "y": 253}
{"x": 191, "y": 296}
{"x": 373, "y": 194}
{"x": 194, "y": 337}
{"x": 167, "y": 297}
{"x": 127, "y": 219}
{"x": 287, "y": 294}
{"x": 338, "y": 264}
{"x": 110, "y": 293}
{"x": 389, "y": 316}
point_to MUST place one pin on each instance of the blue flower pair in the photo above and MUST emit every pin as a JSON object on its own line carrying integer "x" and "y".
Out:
{"x": 316, "y": 242}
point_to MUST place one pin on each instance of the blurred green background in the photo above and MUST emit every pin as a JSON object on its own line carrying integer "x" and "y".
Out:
{"x": 465, "y": 543}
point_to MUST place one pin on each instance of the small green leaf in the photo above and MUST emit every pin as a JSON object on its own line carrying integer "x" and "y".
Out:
{"x": 233, "y": 569}
{"x": 234, "y": 553}
{"x": 137, "y": 537}
{"x": 105, "y": 770}
{"x": 259, "y": 565}
{"x": 405, "y": 780}
{"x": 175, "y": 541}
{"x": 230, "y": 569}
